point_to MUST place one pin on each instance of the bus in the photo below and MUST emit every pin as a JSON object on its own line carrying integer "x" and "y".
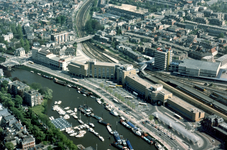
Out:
{"x": 177, "y": 116}
{"x": 129, "y": 97}
{"x": 74, "y": 79}
{"x": 118, "y": 85}
{"x": 145, "y": 104}
{"x": 112, "y": 86}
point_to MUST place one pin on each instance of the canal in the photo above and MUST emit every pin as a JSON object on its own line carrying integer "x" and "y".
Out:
{"x": 70, "y": 97}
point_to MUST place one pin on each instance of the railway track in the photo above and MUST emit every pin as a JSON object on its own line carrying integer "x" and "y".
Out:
{"x": 186, "y": 81}
{"x": 88, "y": 48}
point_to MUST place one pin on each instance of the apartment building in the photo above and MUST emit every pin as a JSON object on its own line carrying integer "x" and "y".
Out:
{"x": 17, "y": 87}
{"x": 33, "y": 97}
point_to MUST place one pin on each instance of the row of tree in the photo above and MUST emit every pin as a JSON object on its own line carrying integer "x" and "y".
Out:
{"x": 92, "y": 26}
{"x": 39, "y": 126}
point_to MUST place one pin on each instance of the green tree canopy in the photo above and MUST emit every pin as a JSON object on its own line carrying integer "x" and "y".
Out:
{"x": 18, "y": 101}
{"x": 36, "y": 86}
{"x": 19, "y": 31}
{"x": 9, "y": 145}
{"x": 46, "y": 92}
{"x": 221, "y": 35}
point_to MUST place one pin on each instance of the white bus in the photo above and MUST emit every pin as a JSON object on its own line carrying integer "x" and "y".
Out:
{"x": 112, "y": 86}
{"x": 177, "y": 116}
{"x": 74, "y": 79}
{"x": 145, "y": 104}
{"x": 115, "y": 100}
{"x": 129, "y": 97}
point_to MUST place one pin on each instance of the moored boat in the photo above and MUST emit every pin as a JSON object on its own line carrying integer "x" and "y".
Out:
{"x": 113, "y": 112}
{"x": 109, "y": 129}
{"x": 91, "y": 124}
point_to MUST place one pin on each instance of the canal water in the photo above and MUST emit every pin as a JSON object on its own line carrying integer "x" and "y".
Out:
{"x": 70, "y": 97}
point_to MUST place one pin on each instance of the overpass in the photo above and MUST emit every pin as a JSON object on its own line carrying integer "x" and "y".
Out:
{"x": 79, "y": 40}
{"x": 9, "y": 64}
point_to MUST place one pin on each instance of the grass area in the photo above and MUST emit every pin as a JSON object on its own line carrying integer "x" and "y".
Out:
{"x": 40, "y": 109}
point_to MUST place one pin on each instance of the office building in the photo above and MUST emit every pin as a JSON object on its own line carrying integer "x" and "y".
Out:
{"x": 163, "y": 58}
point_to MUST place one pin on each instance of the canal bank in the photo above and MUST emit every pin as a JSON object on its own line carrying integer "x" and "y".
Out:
{"x": 70, "y": 97}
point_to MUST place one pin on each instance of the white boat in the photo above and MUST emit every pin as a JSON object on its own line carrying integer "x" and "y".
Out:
{"x": 72, "y": 113}
{"x": 108, "y": 107}
{"x": 66, "y": 108}
{"x": 75, "y": 109}
{"x": 91, "y": 130}
{"x": 98, "y": 101}
{"x": 66, "y": 117}
{"x": 158, "y": 146}
{"x": 109, "y": 129}
{"x": 69, "y": 111}
{"x": 91, "y": 124}
{"x": 81, "y": 133}
{"x": 114, "y": 113}
{"x": 80, "y": 121}
{"x": 73, "y": 134}
{"x": 59, "y": 102}
{"x": 84, "y": 95}
{"x": 86, "y": 126}
{"x": 39, "y": 74}
{"x": 32, "y": 71}
{"x": 68, "y": 85}
{"x": 55, "y": 102}
{"x": 101, "y": 138}
{"x": 96, "y": 133}
{"x": 75, "y": 116}
{"x": 78, "y": 91}
{"x": 136, "y": 132}
{"x": 52, "y": 117}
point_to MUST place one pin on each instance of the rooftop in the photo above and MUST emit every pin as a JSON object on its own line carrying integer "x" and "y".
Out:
{"x": 222, "y": 58}
{"x": 140, "y": 80}
{"x": 197, "y": 64}
{"x": 184, "y": 104}
{"x": 130, "y": 8}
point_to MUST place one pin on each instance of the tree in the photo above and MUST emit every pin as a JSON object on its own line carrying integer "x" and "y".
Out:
{"x": 221, "y": 35}
{"x": 101, "y": 85}
{"x": 1, "y": 131}
{"x": 9, "y": 145}
{"x": 60, "y": 146}
{"x": 118, "y": 31}
{"x": 36, "y": 86}
{"x": 4, "y": 84}
{"x": 19, "y": 31}
{"x": 22, "y": 42}
{"x": 58, "y": 19}
{"x": 16, "y": 78}
{"x": 27, "y": 46}
{"x": 151, "y": 117}
{"x": 46, "y": 92}
{"x": 8, "y": 103}
{"x": 18, "y": 101}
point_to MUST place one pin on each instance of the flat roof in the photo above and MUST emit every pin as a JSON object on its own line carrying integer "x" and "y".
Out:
{"x": 77, "y": 63}
{"x": 130, "y": 8}
{"x": 184, "y": 104}
{"x": 140, "y": 80}
{"x": 105, "y": 64}
{"x": 197, "y": 64}
{"x": 222, "y": 58}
